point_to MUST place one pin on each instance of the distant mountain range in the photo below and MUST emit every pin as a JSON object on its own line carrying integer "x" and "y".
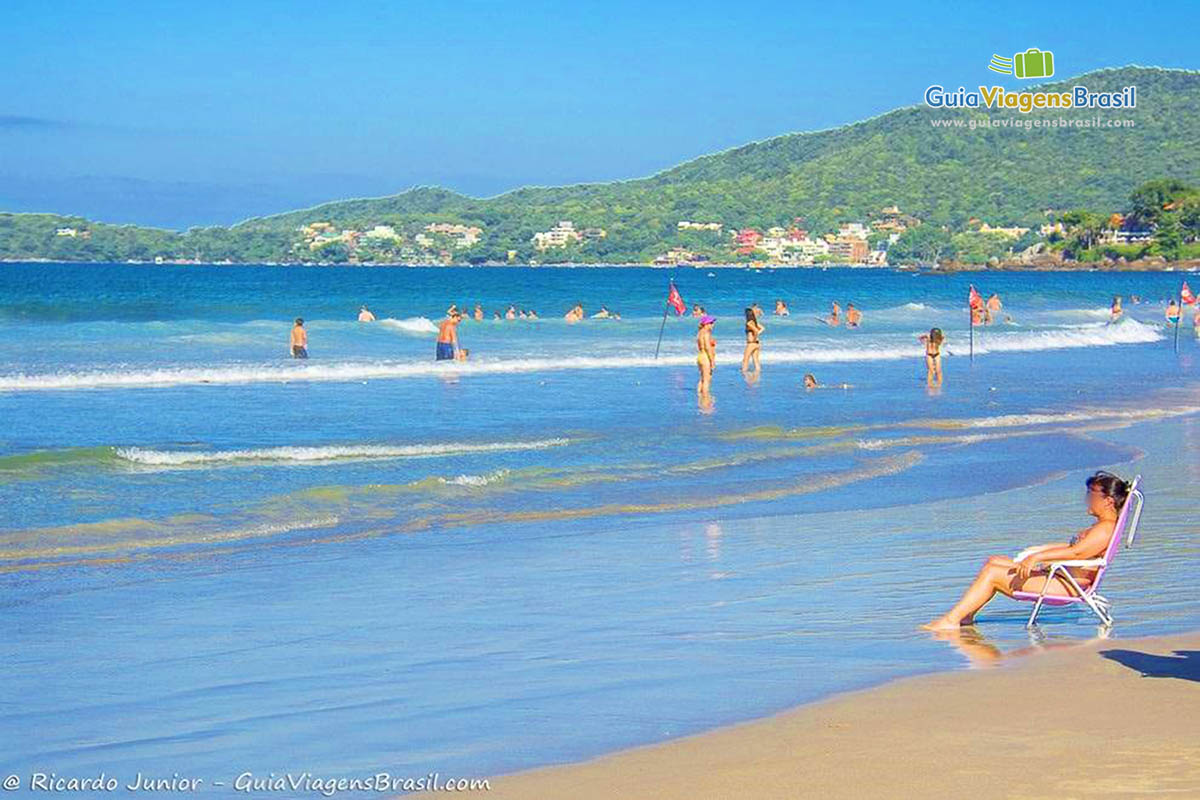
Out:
{"x": 942, "y": 175}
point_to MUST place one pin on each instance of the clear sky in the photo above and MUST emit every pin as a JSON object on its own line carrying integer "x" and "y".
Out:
{"x": 178, "y": 113}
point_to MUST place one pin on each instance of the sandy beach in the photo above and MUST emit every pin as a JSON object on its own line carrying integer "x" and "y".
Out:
{"x": 1111, "y": 718}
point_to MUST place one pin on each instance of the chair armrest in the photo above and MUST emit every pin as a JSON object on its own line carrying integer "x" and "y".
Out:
{"x": 1091, "y": 562}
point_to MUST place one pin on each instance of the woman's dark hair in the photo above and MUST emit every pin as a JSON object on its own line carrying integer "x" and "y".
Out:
{"x": 751, "y": 316}
{"x": 935, "y": 335}
{"x": 1110, "y": 486}
{"x": 299, "y": 321}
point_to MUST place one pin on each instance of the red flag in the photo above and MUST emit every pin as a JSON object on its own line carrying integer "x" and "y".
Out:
{"x": 1185, "y": 294}
{"x": 975, "y": 301}
{"x": 675, "y": 300}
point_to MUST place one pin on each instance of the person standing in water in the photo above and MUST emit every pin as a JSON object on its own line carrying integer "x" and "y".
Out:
{"x": 835, "y": 315}
{"x": 933, "y": 356}
{"x": 478, "y": 312}
{"x": 447, "y": 338}
{"x": 365, "y": 315}
{"x": 1172, "y": 313}
{"x": 299, "y": 340}
{"x": 753, "y": 351}
{"x": 853, "y": 316}
{"x": 1116, "y": 309}
{"x": 706, "y": 358}
{"x": 781, "y": 309}
{"x": 992, "y": 308}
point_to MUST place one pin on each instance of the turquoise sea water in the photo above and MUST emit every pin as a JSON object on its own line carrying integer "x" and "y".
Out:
{"x": 215, "y": 559}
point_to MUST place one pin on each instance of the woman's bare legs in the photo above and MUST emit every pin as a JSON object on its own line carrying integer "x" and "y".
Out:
{"x": 998, "y": 575}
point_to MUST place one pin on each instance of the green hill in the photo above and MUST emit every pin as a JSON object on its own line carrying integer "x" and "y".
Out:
{"x": 941, "y": 175}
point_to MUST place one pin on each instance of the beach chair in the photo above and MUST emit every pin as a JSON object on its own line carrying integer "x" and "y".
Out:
{"x": 1127, "y": 523}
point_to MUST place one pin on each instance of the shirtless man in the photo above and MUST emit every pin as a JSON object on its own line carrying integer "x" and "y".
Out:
{"x": 447, "y": 338}
{"x": 993, "y": 309}
{"x": 365, "y": 315}
{"x": 299, "y": 340}
{"x": 1172, "y": 313}
{"x": 853, "y": 316}
{"x": 478, "y": 312}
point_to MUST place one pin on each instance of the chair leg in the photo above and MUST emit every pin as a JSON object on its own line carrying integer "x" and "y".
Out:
{"x": 1037, "y": 607}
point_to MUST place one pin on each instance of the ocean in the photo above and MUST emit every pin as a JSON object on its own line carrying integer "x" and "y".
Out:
{"x": 217, "y": 560}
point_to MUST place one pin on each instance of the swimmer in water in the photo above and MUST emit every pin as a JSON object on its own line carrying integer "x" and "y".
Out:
{"x": 1116, "y": 309}
{"x": 478, "y": 312}
{"x": 511, "y": 313}
{"x": 462, "y": 354}
{"x": 365, "y": 315}
{"x": 299, "y": 340}
{"x": 810, "y": 383}
{"x": 602, "y": 313}
{"x": 781, "y": 309}
{"x": 697, "y": 310}
{"x": 853, "y": 316}
{"x": 933, "y": 356}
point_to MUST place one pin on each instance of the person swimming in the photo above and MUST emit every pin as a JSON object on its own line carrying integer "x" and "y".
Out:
{"x": 478, "y": 312}
{"x": 1106, "y": 495}
{"x": 365, "y": 315}
{"x": 781, "y": 309}
{"x": 299, "y": 340}
{"x": 933, "y": 355}
{"x": 603, "y": 313}
{"x": 753, "y": 350}
{"x": 810, "y": 383}
{"x": 1115, "y": 310}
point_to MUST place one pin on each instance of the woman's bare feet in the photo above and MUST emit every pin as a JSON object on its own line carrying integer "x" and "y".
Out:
{"x": 942, "y": 624}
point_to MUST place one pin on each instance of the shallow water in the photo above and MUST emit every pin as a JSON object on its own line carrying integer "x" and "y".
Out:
{"x": 216, "y": 560}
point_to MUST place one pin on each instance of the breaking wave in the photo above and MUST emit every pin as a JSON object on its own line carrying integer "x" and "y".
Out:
{"x": 1096, "y": 335}
{"x": 312, "y": 455}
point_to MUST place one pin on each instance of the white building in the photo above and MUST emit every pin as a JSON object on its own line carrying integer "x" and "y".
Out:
{"x": 560, "y": 235}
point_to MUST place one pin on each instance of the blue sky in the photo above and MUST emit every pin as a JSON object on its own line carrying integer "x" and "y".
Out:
{"x": 176, "y": 113}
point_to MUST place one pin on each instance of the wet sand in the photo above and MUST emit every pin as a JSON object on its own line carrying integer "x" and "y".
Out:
{"x": 1106, "y": 718}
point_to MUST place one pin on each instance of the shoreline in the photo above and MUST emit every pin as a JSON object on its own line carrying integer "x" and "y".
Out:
{"x": 1184, "y": 267}
{"x": 1004, "y": 729}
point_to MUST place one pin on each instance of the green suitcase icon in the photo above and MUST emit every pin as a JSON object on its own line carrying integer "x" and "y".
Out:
{"x": 1033, "y": 63}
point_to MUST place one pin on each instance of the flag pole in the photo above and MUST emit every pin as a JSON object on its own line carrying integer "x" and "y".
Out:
{"x": 661, "y": 328}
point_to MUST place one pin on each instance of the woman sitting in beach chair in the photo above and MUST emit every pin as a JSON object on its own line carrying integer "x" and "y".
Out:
{"x": 1002, "y": 575}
